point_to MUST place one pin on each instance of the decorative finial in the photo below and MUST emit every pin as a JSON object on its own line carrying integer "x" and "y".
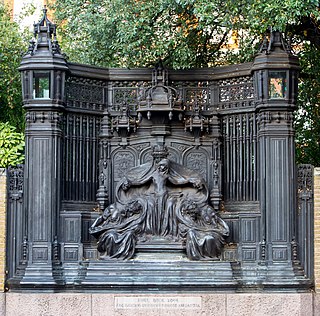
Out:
{"x": 159, "y": 74}
{"x": 273, "y": 40}
{"x": 45, "y": 37}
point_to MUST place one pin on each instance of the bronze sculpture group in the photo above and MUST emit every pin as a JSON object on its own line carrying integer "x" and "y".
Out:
{"x": 165, "y": 200}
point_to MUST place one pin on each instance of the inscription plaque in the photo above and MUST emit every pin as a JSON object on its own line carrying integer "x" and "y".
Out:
{"x": 160, "y": 302}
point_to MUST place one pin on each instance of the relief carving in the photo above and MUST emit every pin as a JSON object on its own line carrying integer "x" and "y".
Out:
{"x": 160, "y": 200}
{"x": 122, "y": 162}
{"x": 197, "y": 161}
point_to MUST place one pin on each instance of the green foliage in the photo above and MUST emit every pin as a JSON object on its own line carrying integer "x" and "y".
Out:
{"x": 307, "y": 120}
{"x": 196, "y": 33}
{"x": 11, "y": 146}
{"x": 184, "y": 33}
{"x": 11, "y": 48}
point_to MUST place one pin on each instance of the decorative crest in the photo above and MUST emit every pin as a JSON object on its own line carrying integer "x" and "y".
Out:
{"x": 160, "y": 97}
{"x": 159, "y": 152}
{"x": 195, "y": 121}
{"x": 123, "y": 121}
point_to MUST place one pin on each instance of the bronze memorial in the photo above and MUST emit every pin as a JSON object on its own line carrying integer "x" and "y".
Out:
{"x": 156, "y": 179}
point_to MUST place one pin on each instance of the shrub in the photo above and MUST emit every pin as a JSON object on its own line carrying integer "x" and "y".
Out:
{"x": 11, "y": 146}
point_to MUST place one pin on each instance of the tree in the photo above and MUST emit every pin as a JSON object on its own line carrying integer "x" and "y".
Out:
{"x": 184, "y": 33}
{"x": 196, "y": 33}
{"x": 11, "y": 48}
{"x": 307, "y": 118}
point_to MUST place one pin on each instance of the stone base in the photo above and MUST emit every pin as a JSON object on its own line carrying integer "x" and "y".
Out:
{"x": 159, "y": 276}
{"x": 162, "y": 272}
{"x": 222, "y": 304}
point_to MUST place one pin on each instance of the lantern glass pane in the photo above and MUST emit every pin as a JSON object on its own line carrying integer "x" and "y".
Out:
{"x": 41, "y": 85}
{"x": 277, "y": 84}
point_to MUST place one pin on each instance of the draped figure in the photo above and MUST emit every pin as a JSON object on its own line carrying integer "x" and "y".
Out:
{"x": 160, "y": 199}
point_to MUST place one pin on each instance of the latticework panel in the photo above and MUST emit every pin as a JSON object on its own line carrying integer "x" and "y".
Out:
{"x": 84, "y": 93}
{"x": 236, "y": 92}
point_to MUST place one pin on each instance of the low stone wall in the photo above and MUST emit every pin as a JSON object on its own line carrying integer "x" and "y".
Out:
{"x": 65, "y": 304}
{"x": 3, "y": 196}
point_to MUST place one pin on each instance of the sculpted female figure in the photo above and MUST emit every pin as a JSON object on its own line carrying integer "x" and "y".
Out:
{"x": 117, "y": 230}
{"x": 162, "y": 186}
{"x": 161, "y": 200}
{"x": 205, "y": 232}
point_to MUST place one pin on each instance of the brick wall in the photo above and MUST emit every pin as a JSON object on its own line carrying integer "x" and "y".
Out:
{"x": 317, "y": 228}
{"x": 3, "y": 195}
